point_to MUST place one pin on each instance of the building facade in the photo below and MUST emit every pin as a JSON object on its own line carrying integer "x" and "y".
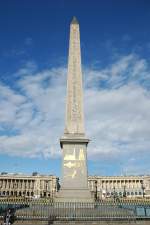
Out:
{"x": 121, "y": 186}
{"x": 37, "y": 186}
{"x": 34, "y": 185}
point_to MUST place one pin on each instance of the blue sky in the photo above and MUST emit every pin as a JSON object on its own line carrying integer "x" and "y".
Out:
{"x": 115, "y": 48}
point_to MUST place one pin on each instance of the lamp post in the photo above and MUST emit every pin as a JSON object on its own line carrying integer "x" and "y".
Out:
{"x": 143, "y": 188}
{"x": 1, "y": 186}
{"x": 15, "y": 189}
{"x": 114, "y": 195}
{"x": 0, "y": 191}
{"x": 124, "y": 191}
{"x": 46, "y": 188}
{"x": 96, "y": 190}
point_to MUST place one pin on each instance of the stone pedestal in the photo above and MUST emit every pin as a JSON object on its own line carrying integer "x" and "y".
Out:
{"x": 74, "y": 184}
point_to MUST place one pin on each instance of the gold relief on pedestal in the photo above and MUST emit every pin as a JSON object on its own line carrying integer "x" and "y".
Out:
{"x": 81, "y": 155}
{"x": 70, "y": 165}
{"x": 74, "y": 163}
{"x": 72, "y": 175}
{"x": 70, "y": 156}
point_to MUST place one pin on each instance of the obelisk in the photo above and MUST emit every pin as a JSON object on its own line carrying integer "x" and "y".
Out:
{"x": 74, "y": 184}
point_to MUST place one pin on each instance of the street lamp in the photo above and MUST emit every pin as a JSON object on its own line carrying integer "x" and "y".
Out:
{"x": 114, "y": 195}
{"x": 96, "y": 190}
{"x": 15, "y": 189}
{"x": 1, "y": 186}
{"x": 143, "y": 188}
{"x": 46, "y": 188}
{"x": 124, "y": 191}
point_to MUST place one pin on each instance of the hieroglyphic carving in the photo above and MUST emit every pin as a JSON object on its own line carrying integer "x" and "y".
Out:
{"x": 74, "y": 111}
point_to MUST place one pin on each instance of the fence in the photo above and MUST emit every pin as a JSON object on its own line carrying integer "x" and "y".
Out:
{"x": 49, "y": 210}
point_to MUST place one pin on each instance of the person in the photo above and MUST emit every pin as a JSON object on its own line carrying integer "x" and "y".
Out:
{"x": 7, "y": 217}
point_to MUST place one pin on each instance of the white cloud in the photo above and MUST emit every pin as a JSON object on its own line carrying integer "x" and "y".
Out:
{"x": 117, "y": 107}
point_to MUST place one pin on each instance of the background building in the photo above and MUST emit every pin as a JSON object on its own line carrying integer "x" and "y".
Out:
{"x": 37, "y": 185}
{"x": 34, "y": 185}
{"x": 122, "y": 186}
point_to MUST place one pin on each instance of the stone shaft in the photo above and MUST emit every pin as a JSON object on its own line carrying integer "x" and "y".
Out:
{"x": 74, "y": 104}
{"x": 74, "y": 184}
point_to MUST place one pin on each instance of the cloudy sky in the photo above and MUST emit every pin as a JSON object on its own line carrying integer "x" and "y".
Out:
{"x": 115, "y": 44}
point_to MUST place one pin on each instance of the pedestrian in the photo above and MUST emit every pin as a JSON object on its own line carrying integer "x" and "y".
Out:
{"x": 7, "y": 217}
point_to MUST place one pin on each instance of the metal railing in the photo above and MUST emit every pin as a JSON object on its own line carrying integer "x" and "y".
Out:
{"x": 102, "y": 210}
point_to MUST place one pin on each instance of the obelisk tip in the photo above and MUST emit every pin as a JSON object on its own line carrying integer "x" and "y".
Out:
{"x": 74, "y": 20}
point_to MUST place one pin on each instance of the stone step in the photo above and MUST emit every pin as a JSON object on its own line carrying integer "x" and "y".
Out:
{"x": 36, "y": 222}
{"x": 142, "y": 222}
